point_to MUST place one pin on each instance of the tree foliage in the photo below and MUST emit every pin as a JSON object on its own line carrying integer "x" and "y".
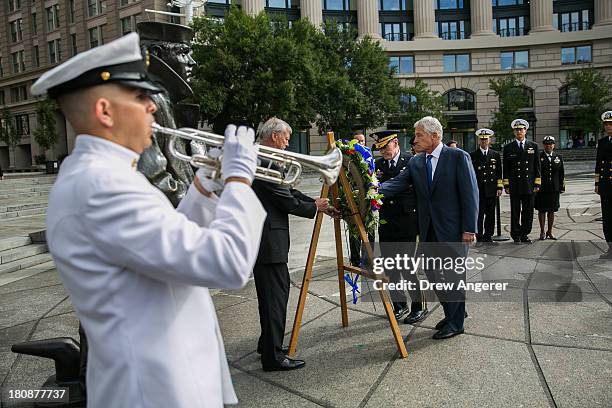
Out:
{"x": 8, "y": 130}
{"x": 249, "y": 70}
{"x": 511, "y": 93}
{"x": 418, "y": 101}
{"x": 45, "y": 133}
{"x": 593, "y": 91}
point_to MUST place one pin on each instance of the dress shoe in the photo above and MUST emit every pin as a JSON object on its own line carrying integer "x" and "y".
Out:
{"x": 416, "y": 316}
{"x": 486, "y": 239}
{"x": 525, "y": 239}
{"x": 606, "y": 255}
{"x": 550, "y": 236}
{"x": 446, "y": 333}
{"x": 284, "y": 350}
{"x": 400, "y": 312}
{"x": 517, "y": 241}
{"x": 286, "y": 364}
{"x": 542, "y": 237}
{"x": 440, "y": 324}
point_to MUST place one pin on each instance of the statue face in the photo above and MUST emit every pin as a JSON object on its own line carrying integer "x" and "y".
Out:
{"x": 176, "y": 55}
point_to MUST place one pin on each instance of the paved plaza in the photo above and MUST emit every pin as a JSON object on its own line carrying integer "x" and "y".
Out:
{"x": 546, "y": 342}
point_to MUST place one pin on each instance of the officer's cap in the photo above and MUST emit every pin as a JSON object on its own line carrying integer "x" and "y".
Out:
{"x": 606, "y": 116}
{"x": 548, "y": 140}
{"x": 383, "y": 137}
{"x": 119, "y": 61}
{"x": 520, "y": 124}
{"x": 484, "y": 133}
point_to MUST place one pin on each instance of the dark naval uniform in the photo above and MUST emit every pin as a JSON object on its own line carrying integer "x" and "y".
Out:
{"x": 553, "y": 182}
{"x": 603, "y": 180}
{"x": 521, "y": 170}
{"x": 489, "y": 176}
{"x": 401, "y": 227}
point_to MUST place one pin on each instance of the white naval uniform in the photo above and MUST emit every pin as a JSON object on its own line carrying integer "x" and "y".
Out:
{"x": 138, "y": 272}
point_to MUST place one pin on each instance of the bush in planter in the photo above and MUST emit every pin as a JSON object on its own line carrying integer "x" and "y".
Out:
{"x": 40, "y": 158}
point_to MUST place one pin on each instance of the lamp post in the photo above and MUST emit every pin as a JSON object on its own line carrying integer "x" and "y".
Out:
{"x": 188, "y": 6}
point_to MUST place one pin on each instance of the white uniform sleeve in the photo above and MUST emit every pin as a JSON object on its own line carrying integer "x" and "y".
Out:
{"x": 197, "y": 207}
{"x": 136, "y": 229}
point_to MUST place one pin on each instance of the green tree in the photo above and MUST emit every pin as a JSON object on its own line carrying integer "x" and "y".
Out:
{"x": 249, "y": 69}
{"x": 593, "y": 91}
{"x": 8, "y": 131}
{"x": 511, "y": 93}
{"x": 419, "y": 100}
{"x": 45, "y": 133}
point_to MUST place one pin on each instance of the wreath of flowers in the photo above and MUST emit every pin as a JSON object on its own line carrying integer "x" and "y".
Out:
{"x": 362, "y": 158}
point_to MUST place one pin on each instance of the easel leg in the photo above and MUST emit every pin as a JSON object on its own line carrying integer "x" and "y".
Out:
{"x": 340, "y": 261}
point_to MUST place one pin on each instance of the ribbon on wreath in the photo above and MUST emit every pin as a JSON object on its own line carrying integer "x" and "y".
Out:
{"x": 354, "y": 286}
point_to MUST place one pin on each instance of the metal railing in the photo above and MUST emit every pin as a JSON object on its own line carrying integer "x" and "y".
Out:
{"x": 512, "y": 32}
{"x": 453, "y": 35}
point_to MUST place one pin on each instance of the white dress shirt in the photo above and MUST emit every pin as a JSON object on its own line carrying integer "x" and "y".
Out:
{"x": 484, "y": 151}
{"x": 137, "y": 272}
{"x": 394, "y": 160}
{"x": 434, "y": 160}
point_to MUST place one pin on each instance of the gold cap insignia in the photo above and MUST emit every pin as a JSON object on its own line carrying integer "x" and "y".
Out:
{"x": 105, "y": 75}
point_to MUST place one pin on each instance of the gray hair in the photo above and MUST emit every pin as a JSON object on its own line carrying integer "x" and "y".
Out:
{"x": 272, "y": 125}
{"x": 431, "y": 125}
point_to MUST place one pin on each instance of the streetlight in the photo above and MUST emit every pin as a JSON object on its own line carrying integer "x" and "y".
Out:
{"x": 188, "y": 6}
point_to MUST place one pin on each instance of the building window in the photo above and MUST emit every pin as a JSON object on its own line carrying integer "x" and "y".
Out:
{"x": 35, "y": 57}
{"x": 128, "y": 24}
{"x": 572, "y": 21}
{"x": 510, "y": 27}
{"x": 18, "y": 62}
{"x": 328, "y": 5}
{"x": 392, "y": 5}
{"x": 34, "y": 24}
{"x": 55, "y": 54}
{"x": 402, "y": 64}
{"x": 95, "y": 37}
{"x": 514, "y": 60}
{"x": 569, "y": 96}
{"x": 459, "y": 99}
{"x": 19, "y": 94}
{"x": 1, "y": 68}
{"x": 52, "y": 17}
{"x": 395, "y": 31}
{"x": 22, "y": 124}
{"x": 71, "y": 11}
{"x": 73, "y": 45}
{"x": 2, "y": 101}
{"x": 14, "y": 5}
{"x": 448, "y": 4}
{"x": 16, "y": 31}
{"x": 576, "y": 55}
{"x": 408, "y": 102}
{"x": 496, "y": 3}
{"x": 285, "y": 4}
{"x": 457, "y": 63}
{"x": 452, "y": 30}
{"x": 94, "y": 7}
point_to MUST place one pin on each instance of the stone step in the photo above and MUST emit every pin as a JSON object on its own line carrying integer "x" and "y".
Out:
{"x": 14, "y": 242}
{"x": 23, "y": 213}
{"x": 24, "y": 196}
{"x": 26, "y": 272}
{"x": 16, "y": 254}
{"x": 43, "y": 179}
{"x": 23, "y": 205}
{"x": 25, "y": 263}
{"x": 24, "y": 188}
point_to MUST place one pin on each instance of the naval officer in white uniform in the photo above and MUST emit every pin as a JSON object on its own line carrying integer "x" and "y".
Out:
{"x": 137, "y": 270}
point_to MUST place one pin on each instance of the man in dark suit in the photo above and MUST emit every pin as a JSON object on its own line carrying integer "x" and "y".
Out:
{"x": 488, "y": 167}
{"x": 270, "y": 271}
{"x": 603, "y": 180}
{"x": 399, "y": 231}
{"x": 447, "y": 204}
{"x": 521, "y": 180}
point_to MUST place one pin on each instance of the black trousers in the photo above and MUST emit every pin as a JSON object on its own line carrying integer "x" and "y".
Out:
{"x": 486, "y": 217}
{"x": 357, "y": 255}
{"x": 606, "y": 214}
{"x": 398, "y": 297}
{"x": 521, "y": 215}
{"x": 452, "y": 301}
{"x": 272, "y": 284}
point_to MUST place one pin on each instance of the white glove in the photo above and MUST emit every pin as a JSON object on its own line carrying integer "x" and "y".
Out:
{"x": 239, "y": 153}
{"x": 209, "y": 184}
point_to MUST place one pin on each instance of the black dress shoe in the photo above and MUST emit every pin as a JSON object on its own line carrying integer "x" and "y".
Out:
{"x": 446, "y": 333}
{"x": 284, "y": 350}
{"x": 416, "y": 316}
{"x": 400, "y": 312}
{"x": 525, "y": 239}
{"x": 517, "y": 241}
{"x": 440, "y": 324}
{"x": 286, "y": 364}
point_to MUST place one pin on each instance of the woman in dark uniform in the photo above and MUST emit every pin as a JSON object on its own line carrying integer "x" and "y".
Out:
{"x": 553, "y": 183}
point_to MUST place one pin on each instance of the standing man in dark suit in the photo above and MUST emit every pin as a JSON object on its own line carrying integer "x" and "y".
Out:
{"x": 488, "y": 167}
{"x": 553, "y": 184}
{"x": 270, "y": 271}
{"x": 521, "y": 180}
{"x": 399, "y": 232}
{"x": 447, "y": 204}
{"x": 603, "y": 180}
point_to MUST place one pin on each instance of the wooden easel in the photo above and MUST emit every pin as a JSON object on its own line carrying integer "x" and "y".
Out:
{"x": 384, "y": 295}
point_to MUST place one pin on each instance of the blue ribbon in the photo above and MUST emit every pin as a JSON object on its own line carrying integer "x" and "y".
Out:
{"x": 366, "y": 153}
{"x": 354, "y": 286}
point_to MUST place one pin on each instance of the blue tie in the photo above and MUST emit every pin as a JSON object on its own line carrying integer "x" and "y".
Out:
{"x": 429, "y": 169}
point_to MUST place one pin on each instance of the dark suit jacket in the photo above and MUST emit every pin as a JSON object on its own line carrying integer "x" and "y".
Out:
{"x": 451, "y": 204}
{"x": 603, "y": 166}
{"x": 521, "y": 169}
{"x": 279, "y": 202}
{"x": 488, "y": 172}
{"x": 553, "y": 174}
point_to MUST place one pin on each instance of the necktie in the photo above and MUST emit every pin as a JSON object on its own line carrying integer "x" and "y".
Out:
{"x": 429, "y": 169}
{"x": 391, "y": 165}
{"x": 521, "y": 145}
{"x": 549, "y": 157}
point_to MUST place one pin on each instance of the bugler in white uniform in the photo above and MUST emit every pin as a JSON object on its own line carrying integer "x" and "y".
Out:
{"x": 137, "y": 272}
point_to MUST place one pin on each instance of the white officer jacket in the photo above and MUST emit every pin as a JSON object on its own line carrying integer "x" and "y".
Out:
{"x": 137, "y": 272}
